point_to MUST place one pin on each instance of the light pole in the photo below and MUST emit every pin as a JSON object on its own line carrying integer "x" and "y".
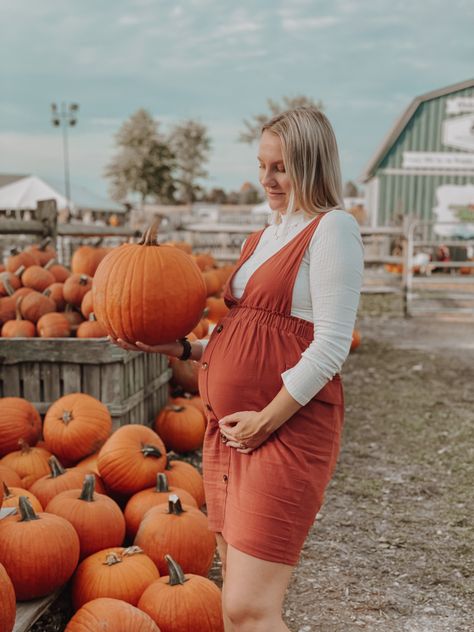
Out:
{"x": 65, "y": 116}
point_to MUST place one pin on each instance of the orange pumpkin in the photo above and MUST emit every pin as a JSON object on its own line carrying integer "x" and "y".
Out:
{"x": 117, "y": 572}
{"x": 105, "y": 613}
{"x": 55, "y": 291}
{"x": 185, "y": 374}
{"x": 141, "y": 502}
{"x": 35, "y": 304}
{"x": 75, "y": 426}
{"x": 39, "y": 551}
{"x": 87, "y": 304}
{"x": 42, "y": 251}
{"x": 131, "y": 458}
{"x": 91, "y": 328}
{"x": 18, "y": 328}
{"x": 11, "y": 497}
{"x": 9, "y": 476}
{"x": 60, "y": 480}
{"x": 54, "y": 325}
{"x": 148, "y": 292}
{"x": 178, "y": 598}
{"x": 19, "y": 419}
{"x": 10, "y": 281}
{"x": 37, "y": 278}
{"x": 59, "y": 272}
{"x": 97, "y": 518}
{"x": 30, "y": 463}
{"x": 75, "y": 288}
{"x": 184, "y": 475}
{"x": 181, "y": 427}
{"x": 86, "y": 259}
{"x": 216, "y": 308}
{"x": 180, "y": 531}
{"x": 189, "y": 400}
{"x": 18, "y": 258}
{"x": 7, "y": 602}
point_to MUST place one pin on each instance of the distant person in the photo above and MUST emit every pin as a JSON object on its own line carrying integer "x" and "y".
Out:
{"x": 269, "y": 376}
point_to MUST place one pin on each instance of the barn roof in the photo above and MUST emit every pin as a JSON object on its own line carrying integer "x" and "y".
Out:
{"x": 402, "y": 122}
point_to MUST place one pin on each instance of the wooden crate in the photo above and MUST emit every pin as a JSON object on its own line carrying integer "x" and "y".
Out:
{"x": 134, "y": 385}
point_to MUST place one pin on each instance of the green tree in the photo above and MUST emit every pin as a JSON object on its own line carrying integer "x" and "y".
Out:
{"x": 253, "y": 127}
{"x": 191, "y": 145}
{"x": 144, "y": 162}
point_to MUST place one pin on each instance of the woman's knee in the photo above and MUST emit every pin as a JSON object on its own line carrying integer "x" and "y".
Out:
{"x": 245, "y": 614}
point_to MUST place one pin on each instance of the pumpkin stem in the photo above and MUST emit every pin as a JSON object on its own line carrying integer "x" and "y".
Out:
{"x": 56, "y": 468}
{"x": 24, "y": 447}
{"x": 174, "y": 505}
{"x": 19, "y": 271}
{"x": 6, "y": 283}
{"x": 27, "y": 512}
{"x": 92, "y": 317}
{"x": 6, "y": 492}
{"x": 88, "y": 487}
{"x": 132, "y": 550}
{"x": 150, "y": 450}
{"x": 17, "y": 308}
{"x": 175, "y": 408}
{"x": 83, "y": 279}
{"x": 149, "y": 236}
{"x": 44, "y": 243}
{"x": 161, "y": 483}
{"x": 67, "y": 416}
{"x": 111, "y": 559}
{"x": 50, "y": 264}
{"x": 47, "y": 292}
{"x": 175, "y": 572}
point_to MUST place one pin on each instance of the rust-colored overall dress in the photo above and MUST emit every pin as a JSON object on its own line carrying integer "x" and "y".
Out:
{"x": 264, "y": 502}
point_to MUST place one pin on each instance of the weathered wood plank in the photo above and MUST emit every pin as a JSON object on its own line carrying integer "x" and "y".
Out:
{"x": 27, "y": 612}
{"x": 50, "y": 377}
{"x": 71, "y": 378}
{"x": 97, "y": 351}
{"x": 11, "y": 381}
{"x": 30, "y": 381}
{"x": 91, "y": 380}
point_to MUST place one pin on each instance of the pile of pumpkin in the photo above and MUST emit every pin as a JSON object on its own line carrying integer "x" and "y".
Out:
{"x": 115, "y": 514}
{"x": 40, "y": 297}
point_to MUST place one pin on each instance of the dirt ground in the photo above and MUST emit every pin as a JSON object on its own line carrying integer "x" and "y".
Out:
{"x": 392, "y": 548}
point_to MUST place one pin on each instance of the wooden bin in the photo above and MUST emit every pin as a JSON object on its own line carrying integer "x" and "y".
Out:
{"x": 134, "y": 385}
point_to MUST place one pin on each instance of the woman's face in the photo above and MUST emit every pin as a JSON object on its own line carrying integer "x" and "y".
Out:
{"x": 271, "y": 172}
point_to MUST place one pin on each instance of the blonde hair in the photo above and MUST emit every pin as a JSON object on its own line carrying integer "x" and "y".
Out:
{"x": 311, "y": 159}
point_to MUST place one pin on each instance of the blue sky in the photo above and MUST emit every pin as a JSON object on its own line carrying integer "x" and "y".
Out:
{"x": 218, "y": 62}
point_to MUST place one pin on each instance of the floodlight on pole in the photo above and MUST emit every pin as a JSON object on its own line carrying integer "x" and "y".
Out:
{"x": 65, "y": 116}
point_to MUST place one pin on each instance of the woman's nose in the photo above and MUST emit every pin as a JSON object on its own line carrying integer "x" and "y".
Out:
{"x": 267, "y": 179}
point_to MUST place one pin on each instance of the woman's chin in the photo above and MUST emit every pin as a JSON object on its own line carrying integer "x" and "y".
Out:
{"x": 276, "y": 204}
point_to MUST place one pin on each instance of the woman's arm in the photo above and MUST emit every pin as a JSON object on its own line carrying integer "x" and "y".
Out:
{"x": 174, "y": 349}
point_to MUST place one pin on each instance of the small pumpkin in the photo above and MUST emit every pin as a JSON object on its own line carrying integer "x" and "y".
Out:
{"x": 175, "y": 600}
{"x": 75, "y": 288}
{"x": 185, "y": 374}
{"x": 91, "y": 328}
{"x": 37, "y": 278}
{"x": 116, "y": 572}
{"x": 19, "y": 258}
{"x": 42, "y": 251}
{"x": 75, "y": 426}
{"x": 35, "y": 304}
{"x": 181, "y": 427}
{"x": 87, "y": 304}
{"x": 97, "y": 518}
{"x": 54, "y": 325}
{"x": 216, "y": 307}
{"x": 115, "y": 615}
{"x": 39, "y": 551}
{"x": 180, "y": 531}
{"x": 55, "y": 291}
{"x": 18, "y": 328}
{"x": 184, "y": 475}
{"x": 30, "y": 463}
{"x": 59, "y": 272}
{"x": 131, "y": 458}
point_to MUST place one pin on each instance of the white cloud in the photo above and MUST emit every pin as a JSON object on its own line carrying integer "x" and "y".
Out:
{"x": 129, "y": 20}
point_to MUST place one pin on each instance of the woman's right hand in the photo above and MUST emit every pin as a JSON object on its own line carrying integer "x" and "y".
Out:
{"x": 171, "y": 348}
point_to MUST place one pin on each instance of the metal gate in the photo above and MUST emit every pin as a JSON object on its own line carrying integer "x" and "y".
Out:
{"x": 438, "y": 274}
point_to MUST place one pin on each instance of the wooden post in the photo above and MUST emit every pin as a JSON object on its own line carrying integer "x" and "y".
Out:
{"x": 47, "y": 214}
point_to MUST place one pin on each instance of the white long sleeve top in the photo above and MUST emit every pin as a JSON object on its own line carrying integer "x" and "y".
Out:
{"x": 326, "y": 293}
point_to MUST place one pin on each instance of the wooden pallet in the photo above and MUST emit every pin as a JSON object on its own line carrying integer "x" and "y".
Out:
{"x": 134, "y": 385}
{"x": 27, "y": 612}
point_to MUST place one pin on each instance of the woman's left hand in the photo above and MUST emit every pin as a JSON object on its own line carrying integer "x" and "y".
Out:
{"x": 245, "y": 430}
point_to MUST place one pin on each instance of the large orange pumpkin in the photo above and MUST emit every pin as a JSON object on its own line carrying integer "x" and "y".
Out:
{"x": 115, "y": 615}
{"x": 30, "y": 463}
{"x": 39, "y": 551}
{"x": 131, "y": 458}
{"x": 180, "y": 531}
{"x": 176, "y": 599}
{"x": 184, "y": 475}
{"x": 7, "y": 602}
{"x": 113, "y": 572}
{"x": 75, "y": 426}
{"x": 181, "y": 427}
{"x": 98, "y": 520}
{"x": 148, "y": 292}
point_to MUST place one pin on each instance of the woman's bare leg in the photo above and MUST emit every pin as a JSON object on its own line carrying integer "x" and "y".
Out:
{"x": 222, "y": 550}
{"x": 253, "y": 593}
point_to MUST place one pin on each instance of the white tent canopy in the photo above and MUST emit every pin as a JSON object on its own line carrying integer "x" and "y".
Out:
{"x": 24, "y": 194}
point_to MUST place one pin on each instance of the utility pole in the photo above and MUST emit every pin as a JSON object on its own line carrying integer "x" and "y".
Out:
{"x": 65, "y": 116}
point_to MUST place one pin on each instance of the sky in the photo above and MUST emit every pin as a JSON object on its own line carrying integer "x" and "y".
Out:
{"x": 217, "y": 62}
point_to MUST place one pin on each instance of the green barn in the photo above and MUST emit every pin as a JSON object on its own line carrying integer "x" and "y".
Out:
{"x": 424, "y": 168}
